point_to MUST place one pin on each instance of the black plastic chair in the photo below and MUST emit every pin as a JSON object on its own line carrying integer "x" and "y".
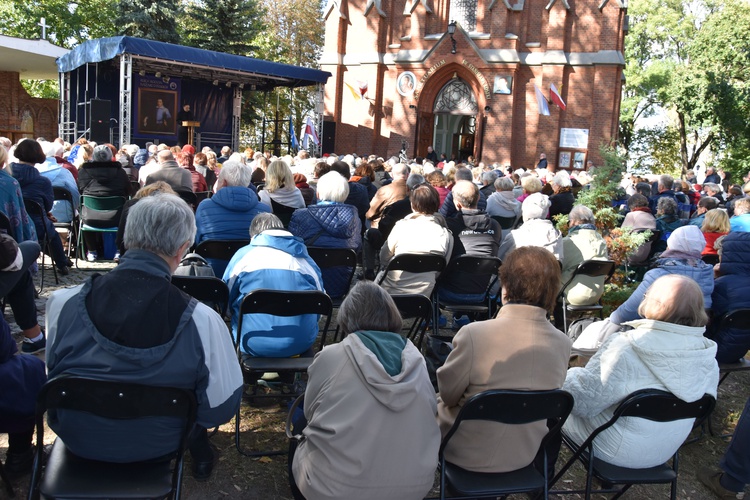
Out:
{"x": 69, "y": 476}
{"x": 484, "y": 273}
{"x": 417, "y": 307}
{"x": 34, "y": 209}
{"x": 651, "y": 404}
{"x": 417, "y": 263}
{"x": 739, "y": 319}
{"x": 220, "y": 249}
{"x": 710, "y": 259}
{"x": 593, "y": 269}
{"x": 327, "y": 258}
{"x": 62, "y": 194}
{"x": 507, "y": 407}
{"x": 208, "y": 289}
{"x": 507, "y": 223}
{"x": 278, "y": 303}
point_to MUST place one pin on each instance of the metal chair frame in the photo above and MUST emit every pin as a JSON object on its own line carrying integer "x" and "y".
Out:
{"x": 62, "y": 194}
{"x": 207, "y": 289}
{"x": 96, "y": 203}
{"x": 651, "y": 404}
{"x": 34, "y": 208}
{"x": 476, "y": 265}
{"x": 326, "y": 258}
{"x": 418, "y": 307}
{"x": 593, "y": 269}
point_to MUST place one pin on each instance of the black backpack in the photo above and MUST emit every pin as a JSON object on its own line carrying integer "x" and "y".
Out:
{"x": 194, "y": 265}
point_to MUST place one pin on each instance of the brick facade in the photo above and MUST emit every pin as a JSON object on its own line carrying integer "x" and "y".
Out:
{"x": 575, "y": 45}
{"x": 14, "y": 104}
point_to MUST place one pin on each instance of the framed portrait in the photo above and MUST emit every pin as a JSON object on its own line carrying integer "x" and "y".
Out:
{"x": 503, "y": 84}
{"x": 157, "y": 110}
{"x": 564, "y": 160}
{"x": 406, "y": 83}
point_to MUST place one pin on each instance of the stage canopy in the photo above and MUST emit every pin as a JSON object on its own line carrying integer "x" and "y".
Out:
{"x": 152, "y": 74}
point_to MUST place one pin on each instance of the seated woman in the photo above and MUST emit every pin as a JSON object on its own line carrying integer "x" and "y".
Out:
{"x": 280, "y": 193}
{"x": 731, "y": 291}
{"x": 370, "y": 410}
{"x": 330, "y": 224}
{"x": 639, "y": 217}
{"x": 583, "y": 242}
{"x": 682, "y": 256}
{"x": 537, "y": 230}
{"x": 667, "y": 220}
{"x": 423, "y": 231}
{"x": 715, "y": 225}
{"x": 667, "y": 351}
{"x": 519, "y": 349}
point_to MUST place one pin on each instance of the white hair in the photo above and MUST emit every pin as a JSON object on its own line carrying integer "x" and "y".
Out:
{"x": 562, "y": 179}
{"x": 161, "y": 223}
{"x": 333, "y": 187}
{"x": 234, "y": 173}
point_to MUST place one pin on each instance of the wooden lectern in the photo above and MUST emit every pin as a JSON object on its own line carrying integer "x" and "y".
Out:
{"x": 191, "y": 126}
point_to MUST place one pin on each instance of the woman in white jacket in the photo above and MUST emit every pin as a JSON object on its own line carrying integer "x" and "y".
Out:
{"x": 667, "y": 351}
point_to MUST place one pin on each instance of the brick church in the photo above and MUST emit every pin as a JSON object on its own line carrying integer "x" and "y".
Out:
{"x": 462, "y": 76}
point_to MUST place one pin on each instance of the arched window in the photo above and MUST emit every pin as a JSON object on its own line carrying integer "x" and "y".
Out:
{"x": 464, "y": 12}
{"x": 456, "y": 98}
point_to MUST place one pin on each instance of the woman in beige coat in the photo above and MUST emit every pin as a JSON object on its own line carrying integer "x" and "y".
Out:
{"x": 519, "y": 349}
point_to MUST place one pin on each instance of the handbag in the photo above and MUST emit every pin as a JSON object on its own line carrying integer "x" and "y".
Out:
{"x": 437, "y": 349}
{"x": 194, "y": 265}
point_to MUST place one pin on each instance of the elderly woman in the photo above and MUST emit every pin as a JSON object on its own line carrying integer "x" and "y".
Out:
{"x": 667, "y": 351}
{"x": 537, "y": 230}
{"x": 715, "y": 225}
{"x": 330, "y": 224}
{"x": 530, "y": 184}
{"x": 38, "y": 188}
{"x": 422, "y": 231}
{"x": 534, "y": 357}
{"x": 583, "y": 242}
{"x": 563, "y": 199}
{"x": 280, "y": 193}
{"x": 667, "y": 220}
{"x": 502, "y": 203}
{"x": 639, "y": 217}
{"x": 385, "y": 444}
{"x": 683, "y": 257}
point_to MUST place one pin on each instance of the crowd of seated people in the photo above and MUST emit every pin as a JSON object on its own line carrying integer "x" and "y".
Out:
{"x": 660, "y": 326}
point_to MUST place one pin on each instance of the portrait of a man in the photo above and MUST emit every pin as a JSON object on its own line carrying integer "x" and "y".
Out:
{"x": 155, "y": 111}
{"x": 503, "y": 84}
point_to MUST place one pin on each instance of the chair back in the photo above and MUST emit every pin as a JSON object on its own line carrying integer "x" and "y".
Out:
{"x": 506, "y": 222}
{"x": 417, "y": 307}
{"x": 62, "y": 194}
{"x": 484, "y": 269}
{"x": 207, "y": 289}
{"x": 286, "y": 303}
{"x": 738, "y": 318}
{"x": 283, "y": 212}
{"x": 102, "y": 203}
{"x": 219, "y": 249}
{"x": 416, "y": 263}
{"x": 327, "y": 258}
{"x": 663, "y": 406}
{"x": 202, "y": 195}
{"x": 710, "y": 259}
{"x": 34, "y": 209}
{"x": 593, "y": 269}
{"x": 116, "y": 401}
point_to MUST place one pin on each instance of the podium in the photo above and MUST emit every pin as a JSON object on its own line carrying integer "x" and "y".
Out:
{"x": 191, "y": 126}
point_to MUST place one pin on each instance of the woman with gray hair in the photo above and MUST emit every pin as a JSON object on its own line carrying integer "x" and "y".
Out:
{"x": 563, "y": 199}
{"x": 330, "y": 224}
{"x": 667, "y": 220}
{"x": 537, "y": 230}
{"x": 369, "y": 410}
{"x": 583, "y": 242}
{"x": 502, "y": 203}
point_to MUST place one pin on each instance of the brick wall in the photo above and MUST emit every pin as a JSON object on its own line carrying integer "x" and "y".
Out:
{"x": 16, "y": 101}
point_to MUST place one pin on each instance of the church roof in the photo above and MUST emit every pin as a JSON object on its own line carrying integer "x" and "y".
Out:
{"x": 178, "y": 60}
{"x": 33, "y": 59}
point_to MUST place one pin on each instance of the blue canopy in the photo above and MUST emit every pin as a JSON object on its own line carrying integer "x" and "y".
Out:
{"x": 243, "y": 69}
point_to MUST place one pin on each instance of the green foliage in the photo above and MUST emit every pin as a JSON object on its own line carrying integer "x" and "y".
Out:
{"x": 46, "y": 89}
{"x": 223, "y": 25}
{"x": 150, "y": 19}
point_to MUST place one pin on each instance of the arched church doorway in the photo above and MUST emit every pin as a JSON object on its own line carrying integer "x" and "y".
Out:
{"x": 454, "y": 121}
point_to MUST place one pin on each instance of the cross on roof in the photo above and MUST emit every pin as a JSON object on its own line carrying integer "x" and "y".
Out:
{"x": 44, "y": 25}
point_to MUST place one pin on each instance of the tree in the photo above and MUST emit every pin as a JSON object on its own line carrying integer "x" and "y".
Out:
{"x": 223, "y": 25}
{"x": 151, "y": 19}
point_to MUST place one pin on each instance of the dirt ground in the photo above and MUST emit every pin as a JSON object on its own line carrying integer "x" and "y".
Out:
{"x": 240, "y": 477}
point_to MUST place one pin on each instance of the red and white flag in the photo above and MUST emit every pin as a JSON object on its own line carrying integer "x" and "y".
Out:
{"x": 308, "y": 132}
{"x": 541, "y": 102}
{"x": 555, "y": 97}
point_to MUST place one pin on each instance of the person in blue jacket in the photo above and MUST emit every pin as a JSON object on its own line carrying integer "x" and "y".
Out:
{"x": 228, "y": 213}
{"x": 731, "y": 291}
{"x": 330, "y": 224}
{"x": 276, "y": 260}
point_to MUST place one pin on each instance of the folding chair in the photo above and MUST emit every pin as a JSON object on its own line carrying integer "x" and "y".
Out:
{"x": 69, "y": 476}
{"x": 417, "y": 263}
{"x": 220, "y": 250}
{"x": 62, "y": 194}
{"x": 417, "y": 307}
{"x": 202, "y": 195}
{"x": 710, "y": 259}
{"x": 34, "y": 209}
{"x": 283, "y": 212}
{"x": 91, "y": 205}
{"x": 278, "y": 303}
{"x": 507, "y": 407}
{"x": 207, "y": 289}
{"x": 507, "y": 223}
{"x": 593, "y": 269}
{"x": 736, "y": 319}
{"x": 479, "y": 274}
{"x": 329, "y": 260}
{"x": 651, "y": 404}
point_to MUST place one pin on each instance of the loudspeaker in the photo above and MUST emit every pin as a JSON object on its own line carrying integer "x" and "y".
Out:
{"x": 329, "y": 137}
{"x": 99, "y": 115}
